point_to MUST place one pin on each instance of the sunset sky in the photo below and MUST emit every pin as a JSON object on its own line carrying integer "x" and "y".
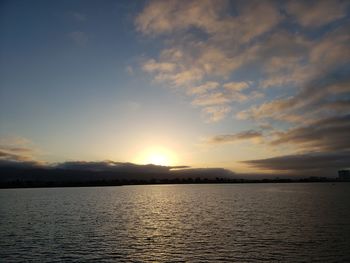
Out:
{"x": 251, "y": 86}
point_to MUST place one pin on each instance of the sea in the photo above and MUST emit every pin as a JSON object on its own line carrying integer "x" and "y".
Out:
{"x": 291, "y": 222}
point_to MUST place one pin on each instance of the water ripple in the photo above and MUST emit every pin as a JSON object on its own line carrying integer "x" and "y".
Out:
{"x": 177, "y": 223}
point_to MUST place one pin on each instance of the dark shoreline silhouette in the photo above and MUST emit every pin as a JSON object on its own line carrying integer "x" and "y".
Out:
{"x": 80, "y": 174}
{"x": 18, "y": 183}
{"x": 30, "y": 184}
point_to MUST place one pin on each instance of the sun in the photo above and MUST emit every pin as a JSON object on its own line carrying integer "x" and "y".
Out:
{"x": 159, "y": 159}
{"x": 157, "y": 156}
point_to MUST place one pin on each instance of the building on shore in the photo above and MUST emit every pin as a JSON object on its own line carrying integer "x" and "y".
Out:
{"x": 344, "y": 175}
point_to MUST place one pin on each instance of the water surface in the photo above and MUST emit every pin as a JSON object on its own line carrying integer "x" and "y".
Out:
{"x": 177, "y": 223}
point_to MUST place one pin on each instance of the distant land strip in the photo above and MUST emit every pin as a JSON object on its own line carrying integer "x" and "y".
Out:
{"x": 80, "y": 174}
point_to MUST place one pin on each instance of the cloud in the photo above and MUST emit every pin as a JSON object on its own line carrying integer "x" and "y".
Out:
{"x": 327, "y": 134}
{"x": 315, "y": 164}
{"x": 161, "y": 17}
{"x": 204, "y": 88}
{"x": 105, "y": 166}
{"x": 281, "y": 57}
{"x": 319, "y": 97}
{"x": 237, "y": 91}
{"x": 265, "y": 126}
{"x": 254, "y": 19}
{"x": 210, "y": 40}
{"x": 190, "y": 61}
{"x": 215, "y": 113}
{"x": 338, "y": 105}
{"x": 325, "y": 147}
{"x": 17, "y": 149}
{"x": 79, "y": 38}
{"x": 216, "y": 98}
{"x": 219, "y": 52}
{"x": 154, "y": 66}
{"x": 236, "y": 86}
{"x": 4, "y": 155}
{"x": 278, "y": 64}
{"x": 17, "y": 157}
{"x": 234, "y": 137}
{"x": 316, "y": 13}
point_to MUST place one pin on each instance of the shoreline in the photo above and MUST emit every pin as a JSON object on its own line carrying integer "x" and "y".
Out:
{"x": 187, "y": 181}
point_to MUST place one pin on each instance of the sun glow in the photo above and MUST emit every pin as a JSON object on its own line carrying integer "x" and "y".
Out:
{"x": 157, "y": 156}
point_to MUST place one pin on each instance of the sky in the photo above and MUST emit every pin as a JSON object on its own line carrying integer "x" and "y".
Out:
{"x": 250, "y": 86}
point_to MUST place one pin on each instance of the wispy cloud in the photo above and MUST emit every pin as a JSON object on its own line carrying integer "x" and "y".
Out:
{"x": 317, "y": 12}
{"x": 234, "y": 137}
{"x": 316, "y": 98}
{"x": 236, "y": 86}
{"x": 327, "y": 134}
{"x": 204, "y": 88}
{"x": 314, "y": 164}
{"x": 215, "y": 113}
{"x": 17, "y": 149}
{"x": 216, "y": 98}
{"x": 325, "y": 147}
{"x": 255, "y": 18}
